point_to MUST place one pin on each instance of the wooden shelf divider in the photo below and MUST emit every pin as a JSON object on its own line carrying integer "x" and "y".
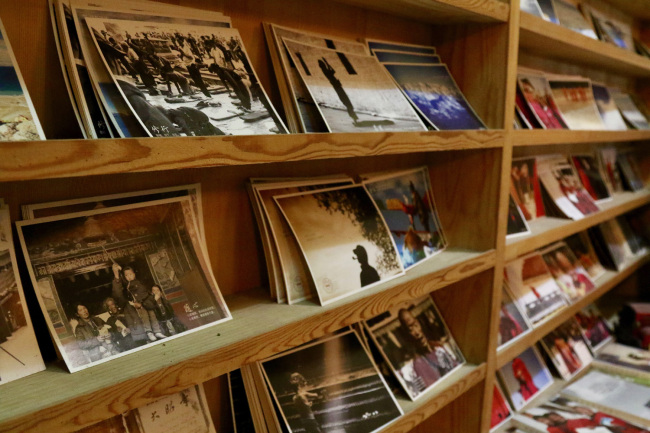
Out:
{"x": 546, "y": 230}
{"x": 539, "y": 137}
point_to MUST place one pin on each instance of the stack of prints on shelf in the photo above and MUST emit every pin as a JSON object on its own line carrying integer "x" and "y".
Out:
{"x": 567, "y": 271}
{"x": 609, "y": 28}
{"x": 18, "y": 120}
{"x": 533, "y": 287}
{"x": 536, "y": 102}
{"x": 575, "y": 101}
{"x": 415, "y": 342}
{"x": 567, "y": 348}
{"x": 617, "y": 245}
{"x": 560, "y": 414}
{"x": 524, "y": 377}
{"x": 591, "y": 177}
{"x": 118, "y": 273}
{"x": 147, "y": 69}
{"x": 629, "y": 110}
{"x": 582, "y": 248}
{"x": 607, "y": 108}
{"x": 383, "y": 227}
{"x": 501, "y": 411}
{"x": 316, "y": 386}
{"x": 594, "y": 327}
{"x": 241, "y": 411}
{"x": 186, "y": 411}
{"x": 19, "y": 353}
{"x": 512, "y": 322}
{"x": 563, "y": 12}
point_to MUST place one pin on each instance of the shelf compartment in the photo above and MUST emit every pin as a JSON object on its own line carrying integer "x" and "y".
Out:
{"x": 604, "y": 284}
{"x": 73, "y": 158}
{"x": 542, "y": 137}
{"x": 444, "y": 392}
{"x": 260, "y": 328}
{"x": 553, "y": 41}
{"x": 440, "y": 11}
{"x": 546, "y": 230}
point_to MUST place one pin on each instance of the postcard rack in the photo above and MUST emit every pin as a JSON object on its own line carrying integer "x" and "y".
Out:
{"x": 483, "y": 42}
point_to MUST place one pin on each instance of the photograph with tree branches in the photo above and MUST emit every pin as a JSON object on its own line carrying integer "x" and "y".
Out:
{"x": 345, "y": 241}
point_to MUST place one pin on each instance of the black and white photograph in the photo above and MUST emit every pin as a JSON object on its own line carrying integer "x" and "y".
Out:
{"x": 344, "y": 240}
{"x": 330, "y": 386}
{"x": 309, "y": 117}
{"x": 434, "y": 93}
{"x": 375, "y": 44}
{"x": 19, "y": 352}
{"x": 415, "y": 341}
{"x": 353, "y": 92}
{"x": 392, "y": 56}
{"x": 185, "y": 80}
{"x": 114, "y": 280}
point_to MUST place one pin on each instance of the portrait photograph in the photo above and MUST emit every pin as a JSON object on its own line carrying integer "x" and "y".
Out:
{"x": 524, "y": 377}
{"x": 539, "y": 98}
{"x": 594, "y": 327}
{"x": 344, "y": 240}
{"x": 533, "y": 287}
{"x": 317, "y": 387}
{"x": 111, "y": 281}
{"x": 568, "y": 271}
{"x": 150, "y": 63}
{"x": 583, "y": 249}
{"x": 434, "y": 93}
{"x": 417, "y": 345}
{"x": 512, "y": 322}
{"x": 524, "y": 187}
{"x": 405, "y": 200}
{"x": 18, "y": 120}
{"x": 575, "y": 100}
{"x": 567, "y": 348}
{"x": 352, "y": 91}
{"x": 607, "y": 108}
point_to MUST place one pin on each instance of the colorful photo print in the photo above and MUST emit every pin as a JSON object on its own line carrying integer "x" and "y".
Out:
{"x": 594, "y": 326}
{"x": 539, "y": 97}
{"x": 353, "y": 92}
{"x": 591, "y": 177}
{"x": 344, "y": 240}
{"x": 584, "y": 251}
{"x": 533, "y": 287}
{"x": 575, "y": 100}
{"x": 567, "y": 348}
{"x": 512, "y": 322}
{"x": 112, "y": 281}
{"x": 524, "y": 377}
{"x": 405, "y": 200}
{"x": 607, "y": 108}
{"x": 433, "y": 91}
{"x": 568, "y": 271}
{"x": 152, "y": 75}
{"x": 417, "y": 345}
{"x": 330, "y": 385}
{"x": 18, "y": 120}
{"x": 500, "y": 409}
{"x": 524, "y": 187}
{"x": 517, "y": 224}
{"x": 570, "y": 17}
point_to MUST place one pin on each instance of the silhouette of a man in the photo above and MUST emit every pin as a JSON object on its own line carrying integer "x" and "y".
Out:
{"x": 329, "y": 73}
{"x": 368, "y": 274}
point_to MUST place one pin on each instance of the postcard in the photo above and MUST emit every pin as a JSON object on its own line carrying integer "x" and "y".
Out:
{"x": 607, "y": 108}
{"x": 607, "y": 157}
{"x": 567, "y": 348}
{"x": 575, "y": 100}
{"x": 517, "y": 225}
{"x": 524, "y": 377}
{"x": 525, "y": 188}
{"x": 374, "y": 44}
{"x": 584, "y": 251}
{"x": 391, "y": 56}
{"x": 539, "y": 97}
{"x": 571, "y": 18}
{"x": 512, "y": 323}
{"x": 501, "y": 411}
{"x": 568, "y": 271}
{"x": 591, "y": 177}
{"x": 594, "y": 326}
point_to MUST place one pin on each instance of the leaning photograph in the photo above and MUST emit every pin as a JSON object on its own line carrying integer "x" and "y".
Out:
{"x": 114, "y": 280}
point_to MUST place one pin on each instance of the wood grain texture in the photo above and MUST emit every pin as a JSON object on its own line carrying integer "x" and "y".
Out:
{"x": 68, "y": 402}
{"x": 73, "y": 158}
{"x": 553, "y": 41}
{"x": 522, "y": 138}
{"x": 603, "y": 285}
{"x": 546, "y": 230}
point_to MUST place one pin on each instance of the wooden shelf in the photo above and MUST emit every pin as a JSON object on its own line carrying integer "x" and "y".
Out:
{"x": 546, "y": 230}
{"x": 73, "y": 158}
{"x": 637, "y": 8}
{"x": 446, "y": 390}
{"x": 260, "y": 328}
{"x": 540, "y": 137}
{"x": 603, "y": 284}
{"x": 553, "y": 41}
{"x": 440, "y": 11}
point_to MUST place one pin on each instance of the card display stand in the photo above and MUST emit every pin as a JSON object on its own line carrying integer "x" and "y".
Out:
{"x": 482, "y": 42}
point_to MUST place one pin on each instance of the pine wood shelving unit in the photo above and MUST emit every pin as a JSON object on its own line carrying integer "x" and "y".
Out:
{"x": 482, "y": 41}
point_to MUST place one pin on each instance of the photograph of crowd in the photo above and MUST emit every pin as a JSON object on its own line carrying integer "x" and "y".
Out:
{"x": 417, "y": 345}
{"x": 343, "y": 238}
{"x": 405, "y": 200}
{"x": 185, "y": 80}
{"x": 113, "y": 280}
{"x": 353, "y": 92}
{"x": 330, "y": 386}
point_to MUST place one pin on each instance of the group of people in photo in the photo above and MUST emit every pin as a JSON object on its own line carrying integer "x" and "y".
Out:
{"x": 137, "y": 315}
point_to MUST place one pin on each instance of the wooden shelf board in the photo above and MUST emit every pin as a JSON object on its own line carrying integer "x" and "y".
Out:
{"x": 440, "y": 11}
{"x": 539, "y": 137}
{"x": 603, "y": 284}
{"x": 259, "y": 329}
{"x": 553, "y": 41}
{"x": 639, "y": 9}
{"x": 446, "y": 390}
{"x": 546, "y": 230}
{"x": 72, "y": 158}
